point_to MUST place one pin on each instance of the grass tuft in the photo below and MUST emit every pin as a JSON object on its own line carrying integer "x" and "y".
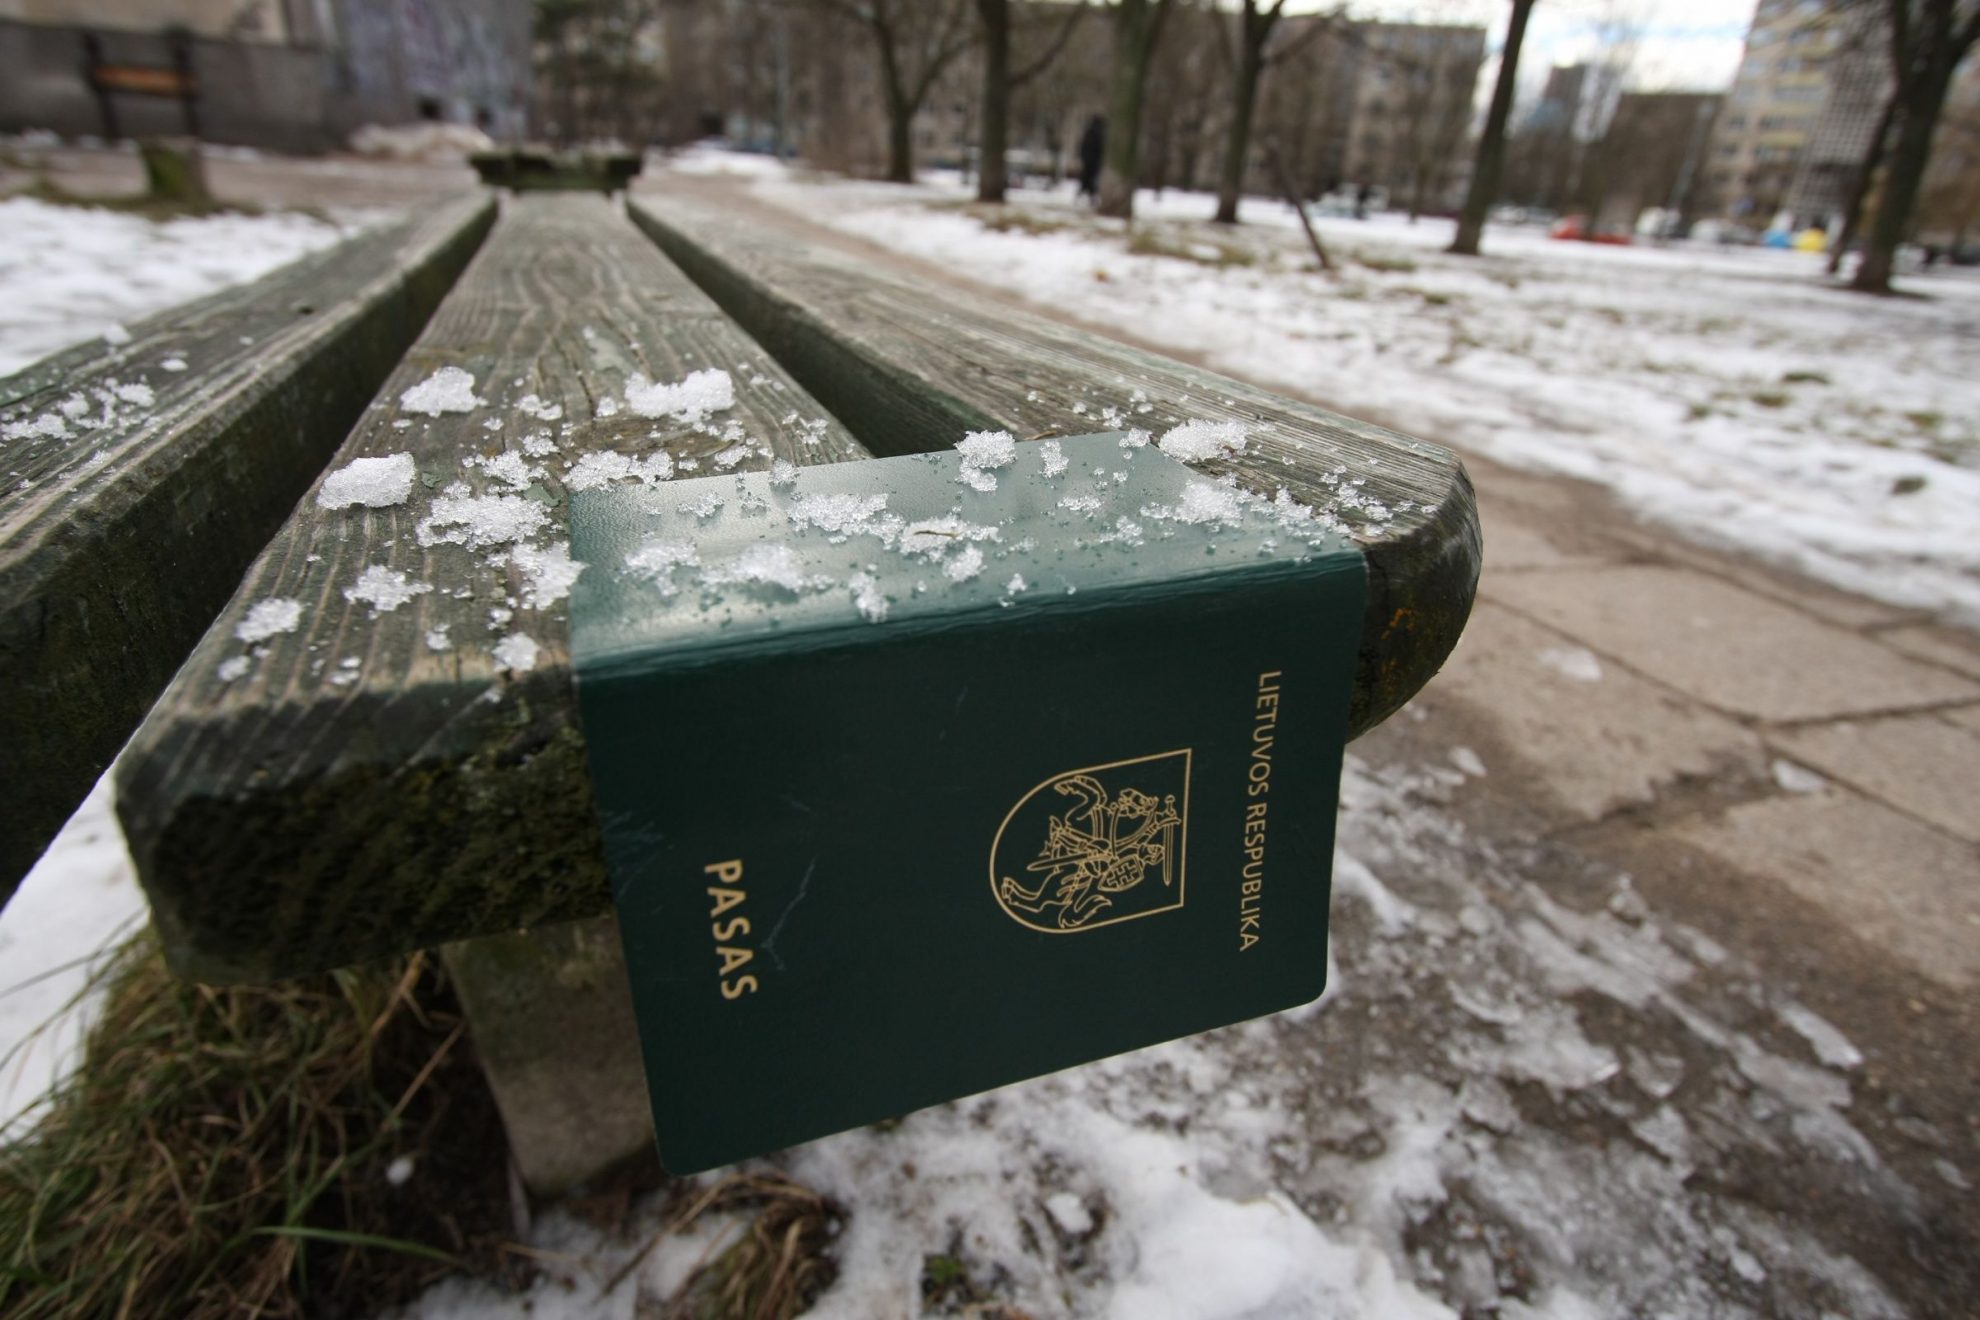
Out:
{"x": 222, "y": 1151}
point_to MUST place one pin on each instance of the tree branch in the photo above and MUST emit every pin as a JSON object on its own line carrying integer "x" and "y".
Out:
{"x": 1043, "y": 62}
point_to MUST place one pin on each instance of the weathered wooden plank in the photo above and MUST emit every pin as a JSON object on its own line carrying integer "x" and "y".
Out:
{"x": 910, "y": 372}
{"x": 356, "y": 791}
{"x": 138, "y": 480}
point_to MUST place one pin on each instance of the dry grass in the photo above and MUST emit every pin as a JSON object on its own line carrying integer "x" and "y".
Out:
{"x": 223, "y": 1152}
{"x": 1147, "y": 241}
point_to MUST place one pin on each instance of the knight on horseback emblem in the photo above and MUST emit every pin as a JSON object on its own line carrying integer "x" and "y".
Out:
{"x": 1112, "y": 853}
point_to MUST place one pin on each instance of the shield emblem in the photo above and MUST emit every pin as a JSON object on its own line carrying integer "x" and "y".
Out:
{"x": 1095, "y": 846}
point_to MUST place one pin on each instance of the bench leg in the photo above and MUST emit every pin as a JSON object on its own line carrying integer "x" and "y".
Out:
{"x": 552, "y": 1019}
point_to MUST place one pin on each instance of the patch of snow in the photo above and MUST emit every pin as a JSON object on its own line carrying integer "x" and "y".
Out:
{"x": 868, "y": 599}
{"x": 1199, "y": 441}
{"x": 448, "y": 390}
{"x": 384, "y": 589}
{"x": 479, "y": 521}
{"x": 548, "y": 572}
{"x": 376, "y": 483}
{"x": 689, "y": 400}
{"x": 233, "y": 667}
{"x": 1794, "y": 778}
{"x": 1575, "y": 662}
{"x": 268, "y": 617}
{"x": 517, "y": 653}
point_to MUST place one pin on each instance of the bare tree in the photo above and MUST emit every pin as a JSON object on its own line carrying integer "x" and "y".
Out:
{"x": 1254, "y": 29}
{"x": 915, "y": 40}
{"x": 1137, "y": 27}
{"x": 1492, "y": 143}
{"x": 1929, "y": 38}
{"x": 999, "y": 80}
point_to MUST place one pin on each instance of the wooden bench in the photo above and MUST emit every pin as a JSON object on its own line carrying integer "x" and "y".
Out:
{"x": 381, "y": 780}
{"x": 138, "y": 480}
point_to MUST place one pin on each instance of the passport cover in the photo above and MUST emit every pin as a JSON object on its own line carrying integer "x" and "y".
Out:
{"x": 918, "y": 777}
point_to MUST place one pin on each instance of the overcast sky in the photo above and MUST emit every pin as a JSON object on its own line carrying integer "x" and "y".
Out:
{"x": 1682, "y": 44}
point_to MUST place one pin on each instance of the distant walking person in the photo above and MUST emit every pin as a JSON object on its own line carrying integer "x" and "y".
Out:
{"x": 1092, "y": 150}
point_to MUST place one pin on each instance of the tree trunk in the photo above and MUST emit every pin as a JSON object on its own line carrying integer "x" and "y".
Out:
{"x": 991, "y": 176}
{"x": 1492, "y": 145}
{"x": 1237, "y": 147}
{"x": 1918, "y": 118}
{"x": 1859, "y": 188}
{"x": 900, "y": 141}
{"x": 1137, "y": 24}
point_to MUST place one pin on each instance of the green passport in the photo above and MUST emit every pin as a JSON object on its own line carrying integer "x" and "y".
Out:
{"x": 923, "y": 775}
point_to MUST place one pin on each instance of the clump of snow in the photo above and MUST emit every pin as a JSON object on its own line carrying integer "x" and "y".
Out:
{"x": 689, "y": 400}
{"x": 271, "y": 616}
{"x": 517, "y": 653}
{"x": 384, "y": 589}
{"x": 1468, "y": 761}
{"x": 766, "y": 565}
{"x": 600, "y": 468}
{"x": 1830, "y": 1045}
{"x": 399, "y": 1171}
{"x": 534, "y": 406}
{"x": 511, "y": 469}
{"x": 1053, "y": 456}
{"x": 705, "y": 505}
{"x": 840, "y": 514}
{"x": 548, "y": 573}
{"x": 233, "y": 667}
{"x": 1136, "y": 438}
{"x": 478, "y": 521}
{"x": 173, "y": 364}
{"x": 1575, "y": 662}
{"x": 115, "y": 335}
{"x": 448, "y": 390}
{"x": 964, "y": 564}
{"x": 1794, "y": 778}
{"x": 136, "y": 392}
{"x": 48, "y": 426}
{"x": 868, "y": 599}
{"x": 437, "y": 639}
{"x": 1197, "y": 441}
{"x": 982, "y": 453}
{"x": 1016, "y": 584}
{"x": 783, "y": 472}
{"x": 376, "y": 483}
{"x": 657, "y": 558}
{"x": 1205, "y": 502}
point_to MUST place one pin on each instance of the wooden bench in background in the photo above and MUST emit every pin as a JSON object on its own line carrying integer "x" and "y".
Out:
{"x": 127, "y": 520}
{"x": 358, "y": 793}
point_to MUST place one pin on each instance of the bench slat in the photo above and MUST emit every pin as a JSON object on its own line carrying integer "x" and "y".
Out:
{"x": 910, "y": 372}
{"x": 312, "y": 813}
{"x": 126, "y": 520}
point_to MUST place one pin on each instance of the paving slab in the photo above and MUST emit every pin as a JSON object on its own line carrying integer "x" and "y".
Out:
{"x": 1819, "y": 599}
{"x": 1950, "y": 647}
{"x": 1899, "y": 884}
{"x": 1917, "y": 763}
{"x": 1739, "y": 651}
{"x": 1600, "y": 737}
{"x": 1511, "y": 545}
{"x": 1965, "y": 716}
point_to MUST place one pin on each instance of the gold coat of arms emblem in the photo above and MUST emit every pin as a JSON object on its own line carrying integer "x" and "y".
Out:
{"x": 1095, "y": 846}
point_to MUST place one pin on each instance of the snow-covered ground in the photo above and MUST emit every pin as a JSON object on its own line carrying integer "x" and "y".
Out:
{"x": 68, "y": 273}
{"x": 1730, "y": 393}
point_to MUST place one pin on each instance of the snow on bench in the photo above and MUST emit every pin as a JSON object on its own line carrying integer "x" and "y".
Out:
{"x": 912, "y": 372}
{"x": 140, "y": 475}
{"x": 376, "y": 747}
